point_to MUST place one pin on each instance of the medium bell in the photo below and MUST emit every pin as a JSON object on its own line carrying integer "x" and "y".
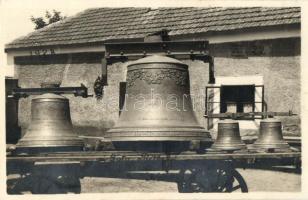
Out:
{"x": 270, "y": 136}
{"x": 228, "y": 136}
{"x": 51, "y": 127}
{"x": 158, "y": 107}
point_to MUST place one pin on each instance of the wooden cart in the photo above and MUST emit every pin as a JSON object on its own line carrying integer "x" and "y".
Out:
{"x": 208, "y": 172}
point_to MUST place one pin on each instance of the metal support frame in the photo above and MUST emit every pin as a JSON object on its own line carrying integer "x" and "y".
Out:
{"x": 122, "y": 52}
{"x": 25, "y": 92}
{"x": 249, "y": 115}
{"x": 245, "y": 116}
{"x": 211, "y": 71}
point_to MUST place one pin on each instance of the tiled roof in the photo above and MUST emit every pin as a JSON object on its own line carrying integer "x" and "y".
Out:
{"x": 103, "y": 24}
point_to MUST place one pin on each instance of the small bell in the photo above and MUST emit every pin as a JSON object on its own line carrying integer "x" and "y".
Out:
{"x": 270, "y": 135}
{"x": 51, "y": 126}
{"x": 228, "y": 136}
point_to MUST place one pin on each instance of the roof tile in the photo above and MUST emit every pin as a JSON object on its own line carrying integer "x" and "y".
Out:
{"x": 103, "y": 24}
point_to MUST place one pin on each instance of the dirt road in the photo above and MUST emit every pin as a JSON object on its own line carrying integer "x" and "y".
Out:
{"x": 257, "y": 181}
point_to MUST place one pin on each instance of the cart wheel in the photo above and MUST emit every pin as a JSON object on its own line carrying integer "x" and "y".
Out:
{"x": 211, "y": 180}
{"x": 238, "y": 183}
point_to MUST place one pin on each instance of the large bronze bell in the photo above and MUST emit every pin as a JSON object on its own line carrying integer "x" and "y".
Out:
{"x": 158, "y": 106}
{"x": 51, "y": 127}
{"x": 270, "y": 136}
{"x": 228, "y": 136}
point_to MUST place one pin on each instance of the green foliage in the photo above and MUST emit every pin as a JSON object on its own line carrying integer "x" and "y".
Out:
{"x": 39, "y": 22}
{"x": 50, "y": 18}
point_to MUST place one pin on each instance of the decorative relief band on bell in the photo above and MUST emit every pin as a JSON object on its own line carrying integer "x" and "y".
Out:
{"x": 180, "y": 77}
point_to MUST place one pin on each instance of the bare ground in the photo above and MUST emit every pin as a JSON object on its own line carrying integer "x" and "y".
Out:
{"x": 257, "y": 181}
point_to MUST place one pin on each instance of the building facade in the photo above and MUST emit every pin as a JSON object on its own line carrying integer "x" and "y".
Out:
{"x": 256, "y": 53}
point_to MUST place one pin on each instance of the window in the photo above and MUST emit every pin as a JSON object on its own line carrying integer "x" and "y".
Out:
{"x": 237, "y": 98}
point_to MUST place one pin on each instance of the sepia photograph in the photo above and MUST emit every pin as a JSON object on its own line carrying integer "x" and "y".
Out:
{"x": 101, "y": 99}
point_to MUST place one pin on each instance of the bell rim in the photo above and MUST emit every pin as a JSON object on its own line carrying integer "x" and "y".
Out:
{"x": 159, "y": 139}
{"x": 160, "y": 134}
{"x": 47, "y": 149}
{"x": 49, "y": 142}
{"x": 162, "y": 128}
{"x": 226, "y": 147}
{"x": 269, "y": 146}
{"x": 38, "y": 144}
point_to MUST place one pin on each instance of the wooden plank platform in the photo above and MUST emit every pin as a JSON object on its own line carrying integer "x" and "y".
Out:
{"x": 111, "y": 156}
